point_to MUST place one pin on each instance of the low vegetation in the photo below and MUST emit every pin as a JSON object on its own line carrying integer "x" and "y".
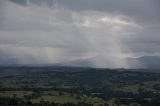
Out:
{"x": 68, "y": 86}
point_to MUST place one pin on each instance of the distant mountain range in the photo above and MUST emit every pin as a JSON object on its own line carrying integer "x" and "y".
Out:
{"x": 148, "y": 62}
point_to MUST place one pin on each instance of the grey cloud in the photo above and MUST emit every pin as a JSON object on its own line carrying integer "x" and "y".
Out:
{"x": 143, "y": 9}
{"x": 52, "y": 31}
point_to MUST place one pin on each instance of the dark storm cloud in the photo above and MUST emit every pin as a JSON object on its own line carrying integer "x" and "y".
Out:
{"x": 54, "y": 31}
{"x": 139, "y": 8}
{"x": 142, "y": 9}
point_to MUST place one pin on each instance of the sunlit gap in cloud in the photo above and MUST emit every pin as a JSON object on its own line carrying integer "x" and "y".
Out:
{"x": 47, "y": 34}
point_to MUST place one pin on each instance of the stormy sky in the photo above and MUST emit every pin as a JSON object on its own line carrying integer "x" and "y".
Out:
{"x": 56, "y": 31}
